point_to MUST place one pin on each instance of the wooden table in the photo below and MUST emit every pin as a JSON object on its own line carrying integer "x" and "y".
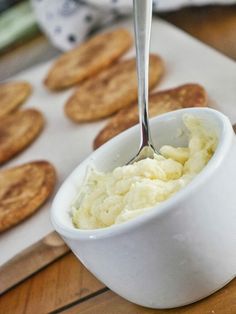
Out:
{"x": 65, "y": 285}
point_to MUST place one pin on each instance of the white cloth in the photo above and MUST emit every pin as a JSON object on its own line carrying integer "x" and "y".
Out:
{"x": 67, "y": 22}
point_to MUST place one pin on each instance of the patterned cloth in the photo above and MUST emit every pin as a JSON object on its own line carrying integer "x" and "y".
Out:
{"x": 67, "y": 22}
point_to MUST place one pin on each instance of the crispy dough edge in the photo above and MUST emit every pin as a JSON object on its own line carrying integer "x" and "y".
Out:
{"x": 25, "y": 141}
{"x": 49, "y": 81}
{"x": 101, "y": 114}
{"x": 102, "y": 137}
{"x": 26, "y": 91}
{"x": 20, "y": 214}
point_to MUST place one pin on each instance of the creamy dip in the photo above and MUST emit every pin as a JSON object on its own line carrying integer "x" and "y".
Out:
{"x": 109, "y": 198}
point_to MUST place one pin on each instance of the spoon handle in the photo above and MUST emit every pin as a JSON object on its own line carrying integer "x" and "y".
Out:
{"x": 142, "y": 27}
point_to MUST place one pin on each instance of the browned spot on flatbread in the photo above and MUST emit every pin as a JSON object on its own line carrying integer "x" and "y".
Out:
{"x": 17, "y": 131}
{"x": 110, "y": 91}
{"x": 12, "y": 95}
{"x": 88, "y": 59}
{"x": 188, "y": 95}
{"x": 87, "y": 56}
{"x": 23, "y": 190}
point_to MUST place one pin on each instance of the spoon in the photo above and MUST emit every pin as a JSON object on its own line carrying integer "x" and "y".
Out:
{"x": 142, "y": 27}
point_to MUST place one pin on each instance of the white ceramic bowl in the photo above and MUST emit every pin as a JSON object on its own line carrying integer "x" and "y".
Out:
{"x": 178, "y": 252}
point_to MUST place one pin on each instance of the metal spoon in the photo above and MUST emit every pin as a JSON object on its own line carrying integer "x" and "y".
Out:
{"x": 142, "y": 25}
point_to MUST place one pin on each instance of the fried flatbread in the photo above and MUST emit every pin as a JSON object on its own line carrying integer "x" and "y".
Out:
{"x": 17, "y": 131}
{"x": 188, "y": 95}
{"x": 12, "y": 95}
{"x": 23, "y": 190}
{"x": 110, "y": 91}
{"x": 88, "y": 59}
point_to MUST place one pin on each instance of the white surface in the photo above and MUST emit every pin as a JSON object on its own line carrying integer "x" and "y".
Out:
{"x": 66, "y": 144}
{"x": 181, "y": 250}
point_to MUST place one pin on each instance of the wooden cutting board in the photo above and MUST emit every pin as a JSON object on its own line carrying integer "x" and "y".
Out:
{"x": 31, "y": 260}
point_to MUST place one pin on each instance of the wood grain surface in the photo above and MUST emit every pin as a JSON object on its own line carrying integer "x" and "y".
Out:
{"x": 62, "y": 282}
{"x": 222, "y": 302}
{"x": 31, "y": 260}
{"x": 65, "y": 286}
{"x": 214, "y": 25}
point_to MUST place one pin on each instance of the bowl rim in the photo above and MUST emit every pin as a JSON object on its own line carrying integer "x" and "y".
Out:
{"x": 224, "y": 144}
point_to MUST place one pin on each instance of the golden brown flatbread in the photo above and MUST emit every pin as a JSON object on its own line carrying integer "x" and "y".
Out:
{"x": 188, "y": 95}
{"x": 12, "y": 95}
{"x": 110, "y": 91}
{"x": 23, "y": 190}
{"x": 88, "y": 59}
{"x": 17, "y": 131}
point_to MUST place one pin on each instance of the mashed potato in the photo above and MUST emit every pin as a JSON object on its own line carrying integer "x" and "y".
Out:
{"x": 129, "y": 191}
